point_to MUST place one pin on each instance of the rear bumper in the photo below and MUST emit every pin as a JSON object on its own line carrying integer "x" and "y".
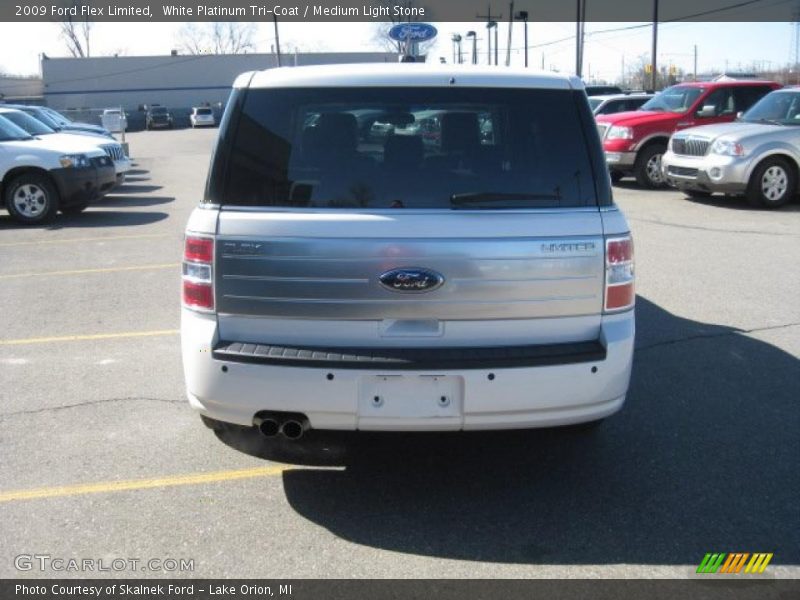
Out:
{"x": 585, "y": 387}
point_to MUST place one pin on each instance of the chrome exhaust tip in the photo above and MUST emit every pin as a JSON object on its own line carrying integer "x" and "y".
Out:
{"x": 268, "y": 427}
{"x": 293, "y": 429}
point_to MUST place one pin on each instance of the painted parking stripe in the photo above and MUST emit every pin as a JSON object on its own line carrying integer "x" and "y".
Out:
{"x": 91, "y": 271}
{"x": 89, "y": 337}
{"x": 107, "y": 487}
{"x": 105, "y": 238}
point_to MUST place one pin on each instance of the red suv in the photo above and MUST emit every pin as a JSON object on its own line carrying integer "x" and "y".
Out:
{"x": 635, "y": 141}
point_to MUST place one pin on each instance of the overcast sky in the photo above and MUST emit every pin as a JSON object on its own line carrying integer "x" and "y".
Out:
{"x": 737, "y": 44}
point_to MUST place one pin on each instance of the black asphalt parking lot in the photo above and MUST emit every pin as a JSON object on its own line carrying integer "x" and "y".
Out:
{"x": 102, "y": 457}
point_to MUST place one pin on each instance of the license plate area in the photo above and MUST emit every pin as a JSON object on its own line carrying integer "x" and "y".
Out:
{"x": 411, "y": 396}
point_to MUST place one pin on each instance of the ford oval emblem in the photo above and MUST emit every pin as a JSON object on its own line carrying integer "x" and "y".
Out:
{"x": 411, "y": 279}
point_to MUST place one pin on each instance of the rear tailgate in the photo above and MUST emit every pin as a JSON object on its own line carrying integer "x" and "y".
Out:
{"x": 313, "y": 278}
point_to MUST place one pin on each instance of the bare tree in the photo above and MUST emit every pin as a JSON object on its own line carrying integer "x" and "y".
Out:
{"x": 77, "y": 34}
{"x": 380, "y": 37}
{"x": 217, "y": 38}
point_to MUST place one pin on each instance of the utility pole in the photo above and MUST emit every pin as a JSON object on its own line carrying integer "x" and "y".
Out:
{"x": 489, "y": 43}
{"x": 578, "y": 48}
{"x": 580, "y": 26}
{"x": 277, "y": 38}
{"x": 654, "y": 74}
{"x": 695, "y": 63}
{"x": 496, "y": 45}
{"x": 523, "y": 16}
{"x": 510, "y": 29}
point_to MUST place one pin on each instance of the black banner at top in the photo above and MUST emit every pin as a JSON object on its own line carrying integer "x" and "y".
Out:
{"x": 395, "y": 10}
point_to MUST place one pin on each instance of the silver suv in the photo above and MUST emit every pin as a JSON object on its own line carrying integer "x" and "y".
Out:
{"x": 758, "y": 156}
{"x": 434, "y": 278}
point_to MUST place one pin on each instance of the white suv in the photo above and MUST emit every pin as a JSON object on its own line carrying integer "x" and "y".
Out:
{"x": 40, "y": 176}
{"x": 202, "y": 116}
{"x": 37, "y": 128}
{"x": 455, "y": 282}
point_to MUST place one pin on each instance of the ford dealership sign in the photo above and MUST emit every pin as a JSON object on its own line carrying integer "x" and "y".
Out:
{"x": 412, "y": 32}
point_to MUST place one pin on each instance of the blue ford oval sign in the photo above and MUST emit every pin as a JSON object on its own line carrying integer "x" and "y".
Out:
{"x": 412, "y": 32}
{"x": 411, "y": 279}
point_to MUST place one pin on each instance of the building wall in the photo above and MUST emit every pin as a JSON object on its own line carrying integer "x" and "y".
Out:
{"x": 178, "y": 82}
{"x": 15, "y": 88}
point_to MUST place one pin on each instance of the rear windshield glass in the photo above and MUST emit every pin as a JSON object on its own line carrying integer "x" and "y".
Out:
{"x": 158, "y": 110}
{"x": 400, "y": 148}
{"x": 203, "y": 111}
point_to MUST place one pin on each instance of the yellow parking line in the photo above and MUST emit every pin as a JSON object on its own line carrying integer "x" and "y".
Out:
{"x": 93, "y": 336}
{"x": 85, "y": 271}
{"x": 140, "y": 484}
{"x": 106, "y": 238}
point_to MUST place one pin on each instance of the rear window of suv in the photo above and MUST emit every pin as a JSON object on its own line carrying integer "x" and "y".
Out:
{"x": 395, "y": 148}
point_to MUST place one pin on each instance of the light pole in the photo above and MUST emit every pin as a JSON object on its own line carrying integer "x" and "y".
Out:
{"x": 523, "y": 16}
{"x": 474, "y": 37}
{"x": 456, "y": 48}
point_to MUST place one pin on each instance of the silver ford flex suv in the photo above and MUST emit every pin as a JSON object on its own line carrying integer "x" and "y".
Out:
{"x": 407, "y": 247}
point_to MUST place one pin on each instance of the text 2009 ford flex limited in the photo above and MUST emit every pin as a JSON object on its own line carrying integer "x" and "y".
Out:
{"x": 407, "y": 247}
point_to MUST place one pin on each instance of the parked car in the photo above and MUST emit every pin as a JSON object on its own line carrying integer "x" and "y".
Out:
{"x": 202, "y": 116}
{"x": 602, "y": 90}
{"x": 758, "y": 156}
{"x": 157, "y": 117}
{"x": 634, "y": 142}
{"x": 330, "y": 282}
{"x": 40, "y": 176}
{"x": 615, "y": 103}
{"x": 114, "y": 119}
{"x": 112, "y": 148}
{"x": 59, "y": 122}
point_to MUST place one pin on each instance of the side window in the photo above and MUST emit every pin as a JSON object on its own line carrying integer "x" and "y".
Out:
{"x": 745, "y": 97}
{"x": 722, "y": 101}
{"x": 632, "y": 104}
{"x": 617, "y": 106}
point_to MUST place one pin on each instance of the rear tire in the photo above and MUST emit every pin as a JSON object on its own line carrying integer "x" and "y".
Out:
{"x": 647, "y": 168}
{"x": 772, "y": 184}
{"x": 31, "y": 198}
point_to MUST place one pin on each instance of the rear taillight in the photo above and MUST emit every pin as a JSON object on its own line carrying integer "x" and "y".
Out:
{"x": 620, "y": 294}
{"x": 198, "y": 280}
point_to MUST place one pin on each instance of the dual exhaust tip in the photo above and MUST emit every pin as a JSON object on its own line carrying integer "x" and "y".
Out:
{"x": 292, "y": 428}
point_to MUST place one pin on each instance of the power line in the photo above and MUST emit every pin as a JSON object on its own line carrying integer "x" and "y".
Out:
{"x": 675, "y": 20}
